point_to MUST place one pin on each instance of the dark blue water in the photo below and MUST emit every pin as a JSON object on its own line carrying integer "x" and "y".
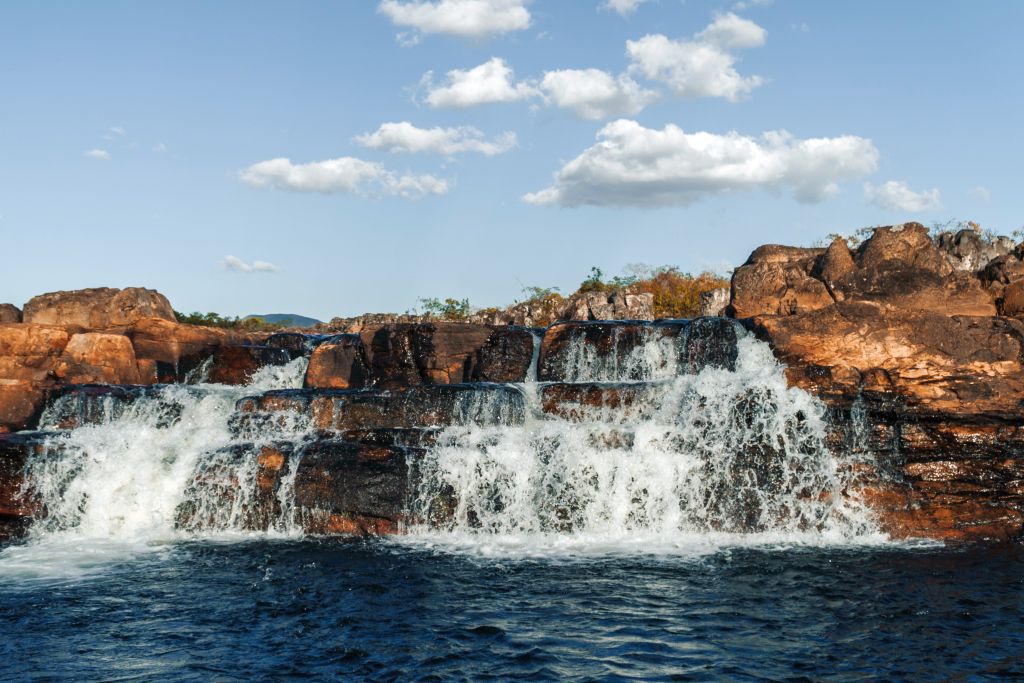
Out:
{"x": 371, "y": 610}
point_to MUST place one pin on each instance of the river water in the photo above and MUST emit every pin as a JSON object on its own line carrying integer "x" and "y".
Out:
{"x": 384, "y": 610}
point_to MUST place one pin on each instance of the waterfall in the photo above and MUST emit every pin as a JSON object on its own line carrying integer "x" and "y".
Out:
{"x": 729, "y": 451}
{"x": 620, "y": 435}
{"x": 135, "y": 468}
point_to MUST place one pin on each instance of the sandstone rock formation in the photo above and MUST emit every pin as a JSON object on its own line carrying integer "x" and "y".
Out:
{"x": 97, "y": 309}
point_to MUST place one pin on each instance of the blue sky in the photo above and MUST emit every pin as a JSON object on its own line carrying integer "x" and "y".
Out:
{"x": 145, "y": 143}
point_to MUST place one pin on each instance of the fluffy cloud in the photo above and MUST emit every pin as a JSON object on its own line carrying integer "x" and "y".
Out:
{"x": 101, "y": 154}
{"x": 635, "y": 166}
{"x": 623, "y": 7}
{"x": 491, "y": 82}
{"x": 703, "y": 66}
{"x": 896, "y": 196}
{"x": 464, "y": 18}
{"x": 405, "y": 137}
{"x": 237, "y": 265}
{"x": 593, "y": 94}
{"x": 345, "y": 175}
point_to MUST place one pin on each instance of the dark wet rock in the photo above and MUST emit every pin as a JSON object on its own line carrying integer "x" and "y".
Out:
{"x": 387, "y": 356}
{"x": 599, "y": 400}
{"x": 343, "y": 487}
{"x": 18, "y": 504}
{"x": 237, "y": 364}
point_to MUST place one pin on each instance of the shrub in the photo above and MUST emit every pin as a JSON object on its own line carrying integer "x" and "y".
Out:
{"x": 253, "y": 324}
{"x": 449, "y": 309}
{"x": 677, "y": 294}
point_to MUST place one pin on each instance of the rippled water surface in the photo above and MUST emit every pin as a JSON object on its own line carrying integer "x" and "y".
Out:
{"x": 377, "y": 610}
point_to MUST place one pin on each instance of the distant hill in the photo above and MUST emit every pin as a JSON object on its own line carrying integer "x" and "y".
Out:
{"x": 289, "y": 319}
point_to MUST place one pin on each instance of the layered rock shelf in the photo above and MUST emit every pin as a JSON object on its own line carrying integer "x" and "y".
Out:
{"x": 912, "y": 344}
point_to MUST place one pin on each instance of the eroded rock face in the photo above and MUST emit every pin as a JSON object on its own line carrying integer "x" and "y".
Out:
{"x": 236, "y": 364}
{"x": 98, "y": 358}
{"x": 98, "y": 309}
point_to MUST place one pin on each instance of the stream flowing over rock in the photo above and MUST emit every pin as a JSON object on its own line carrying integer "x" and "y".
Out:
{"x": 850, "y": 396}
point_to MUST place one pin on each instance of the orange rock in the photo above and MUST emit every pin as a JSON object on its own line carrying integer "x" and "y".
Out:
{"x": 96, "y": 358}
{"x": 97, "y": 309}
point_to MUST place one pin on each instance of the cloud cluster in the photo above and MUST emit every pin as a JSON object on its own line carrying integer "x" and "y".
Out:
{"x": 233, "y": 263}
{"x": 403, "y": 136}
{"x": 490, "y": 83}
{"x": 631, "y": 165}
{"x": 896, "y": 196}
{"x": 345, "y": 175}
{"x": 463, "y": 18}
{"x": 101, "y": 154}
{"x": 704, "y": 66}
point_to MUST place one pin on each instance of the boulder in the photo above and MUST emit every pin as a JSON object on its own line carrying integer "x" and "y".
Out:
{"x": 776, "y": 280}
{"x": 898, "y": 266}
{"x": 9, "y": 314}
{"x": 94, "y": 357}
{"x": 338, "y": 364}
{"x": 28, "y": 359}
{"x": 98, "y": 309}
{"x": 714, "y": 302}
{"x": 968, "y": 250}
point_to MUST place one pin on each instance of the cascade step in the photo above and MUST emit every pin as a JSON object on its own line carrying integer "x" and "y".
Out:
{"x": 637, "y": 350}
{"x": 408, "y": 408}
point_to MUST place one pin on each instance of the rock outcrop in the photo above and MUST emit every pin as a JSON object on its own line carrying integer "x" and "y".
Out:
{"x": 97, "y": 309}
{"x": 9, "y": 314}
{"x": 909, "y": 342}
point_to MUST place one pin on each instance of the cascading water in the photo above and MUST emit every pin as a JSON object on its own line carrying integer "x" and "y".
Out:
{"x": 128, "y": 474}
{"x": 724, "y": 455}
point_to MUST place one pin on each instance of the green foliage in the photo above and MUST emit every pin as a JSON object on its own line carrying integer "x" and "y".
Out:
{"x": 254, "y": 324}
{"x": 449, "y": 309}
{"x": 595, "y": 282}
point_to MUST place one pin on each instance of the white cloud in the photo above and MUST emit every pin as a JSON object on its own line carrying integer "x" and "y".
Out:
{"x": 980, "y": 193}
{"x": 117, "y": 130}
{"x": 464, "y": 18}
{"x": 635, "y": 166}
{"x": 160, "y": 147}
{"x": 489, "y": 83}
{"x": 623, "y": 7}
{"x": 239, "y": 266}
{"x": 100, "y": 154}
{"x": 703, "y": 66}
{"x": 345, "y": 175}
{"x": 593, "y": 94}
{"x": 896, "y": 196}
{"x": 405, "y": 137}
